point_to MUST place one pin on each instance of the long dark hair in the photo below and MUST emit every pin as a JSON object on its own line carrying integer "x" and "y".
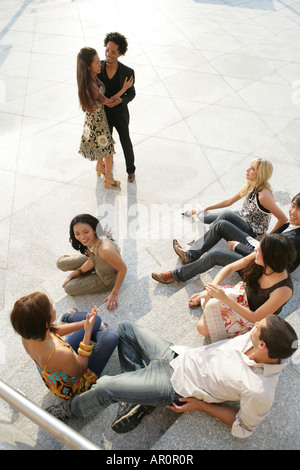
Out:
{"x": 84, "y": 219}
{"x": 84, "y": 80}
{"x": 278, "y": 253}
{"x": 92, "y": 222}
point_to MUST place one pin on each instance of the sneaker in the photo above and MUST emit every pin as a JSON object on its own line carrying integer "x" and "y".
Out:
{"x": 59, "y": 411}
{"x": 129, "y": 416}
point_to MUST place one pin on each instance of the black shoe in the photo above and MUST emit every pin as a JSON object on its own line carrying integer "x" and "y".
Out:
{"x": 131, "y": 177}
{"x": 130, "y": 416}
{"x": 59, "y": 411}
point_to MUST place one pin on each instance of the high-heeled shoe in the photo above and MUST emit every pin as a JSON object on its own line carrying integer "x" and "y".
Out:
{"x": 187, "y": 213}
{"x": 113, "y": 184}
{"x": 100, "y": 172}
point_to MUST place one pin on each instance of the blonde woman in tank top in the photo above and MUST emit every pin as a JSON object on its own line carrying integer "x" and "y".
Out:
{"x": 258, "y": 204}
{"x": 98, "y": 268}
{"x": 251, "y": 221}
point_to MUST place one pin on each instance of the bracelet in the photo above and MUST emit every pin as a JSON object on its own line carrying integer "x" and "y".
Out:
{"x": 86, "y": 347}
{"x": 80, "y": 273}
{"x": 82, "y": 352}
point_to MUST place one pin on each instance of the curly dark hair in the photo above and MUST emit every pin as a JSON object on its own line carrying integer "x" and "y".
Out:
{"x": 118, "y": 39}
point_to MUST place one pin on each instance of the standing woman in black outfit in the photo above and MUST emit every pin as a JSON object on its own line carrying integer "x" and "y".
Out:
{"x": 113, "y": 73}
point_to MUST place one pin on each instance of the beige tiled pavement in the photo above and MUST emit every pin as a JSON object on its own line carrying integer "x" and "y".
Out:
{"x": 217, "y": 83}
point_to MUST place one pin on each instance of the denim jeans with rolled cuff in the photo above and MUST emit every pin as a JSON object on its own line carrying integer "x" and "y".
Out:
{"x": 105, "y": 341}
{"x": 202, "y": 256}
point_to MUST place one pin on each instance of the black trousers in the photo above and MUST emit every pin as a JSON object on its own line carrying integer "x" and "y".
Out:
{"x": 118, "y": 118}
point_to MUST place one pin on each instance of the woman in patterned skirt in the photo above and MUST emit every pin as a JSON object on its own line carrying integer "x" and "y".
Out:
{"x": 229, "y": 311}
{"x": 96, "y": 141}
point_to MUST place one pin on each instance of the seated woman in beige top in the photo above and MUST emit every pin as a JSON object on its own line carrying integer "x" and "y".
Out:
{"x": 99, "y": 266}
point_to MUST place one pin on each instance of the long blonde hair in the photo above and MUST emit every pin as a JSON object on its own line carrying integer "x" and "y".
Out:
{"x": 264, "y": 170}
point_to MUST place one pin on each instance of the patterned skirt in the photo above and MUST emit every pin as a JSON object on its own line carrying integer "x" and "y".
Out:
{"x": 96, "y": 140}
{"x": 221, "y": 320}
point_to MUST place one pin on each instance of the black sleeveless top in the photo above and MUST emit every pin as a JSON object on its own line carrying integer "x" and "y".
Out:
{"x": 260, "y": 296}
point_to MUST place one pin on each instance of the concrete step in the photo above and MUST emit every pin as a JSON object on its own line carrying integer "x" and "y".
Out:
{"x": 97, "y": 430}
{"x": 164, "y": 309}
{"x": 174, "y": 318}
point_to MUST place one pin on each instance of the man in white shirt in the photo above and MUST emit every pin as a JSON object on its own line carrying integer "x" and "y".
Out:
{"x": 158, "y": 373}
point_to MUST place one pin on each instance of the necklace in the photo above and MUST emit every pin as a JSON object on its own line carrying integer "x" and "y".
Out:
{"x": 96, "y": 80}
{"x": 94, "y": 246}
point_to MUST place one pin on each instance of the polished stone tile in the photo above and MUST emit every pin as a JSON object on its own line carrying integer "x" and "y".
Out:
{"x": 161, "y": 113}
{"x": 217, "y": 85}
{"x": 61, "y": 99}
{"x": 7, "y": 182}
{"x": 215, "y": 41}
{"x": 44, "y": 156}
{"x": 277, "y": 48}
{"x": 5, "y": 242}
{"x": 23, "y": 190}
{"x": 178, "y": 56}
{"x": 272, "y": 99}
{"x": 198, "y": 86}
{"x": 228, "y": 128}
{"x": 243, "y": 66}
{"x": 48, "y": 219}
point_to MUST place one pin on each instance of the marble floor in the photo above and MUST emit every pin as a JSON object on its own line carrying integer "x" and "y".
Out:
{"x": 217, "y": 84}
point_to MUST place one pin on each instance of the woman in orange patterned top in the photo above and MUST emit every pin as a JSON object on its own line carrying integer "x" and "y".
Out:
{"x": 66, "y": 367}
{"x": 266, "y": 287}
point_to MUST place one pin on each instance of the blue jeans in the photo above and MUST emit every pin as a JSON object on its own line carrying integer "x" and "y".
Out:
{"x": 203, "y": 256}
{"x": 145, "y": 361}
{"x": 106, "y": 341}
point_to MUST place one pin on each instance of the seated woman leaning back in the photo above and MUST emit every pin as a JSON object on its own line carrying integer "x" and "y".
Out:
{"x": 266, "y": 287}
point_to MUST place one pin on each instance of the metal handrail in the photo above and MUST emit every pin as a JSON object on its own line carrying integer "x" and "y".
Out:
{"x": 52, "y": 425}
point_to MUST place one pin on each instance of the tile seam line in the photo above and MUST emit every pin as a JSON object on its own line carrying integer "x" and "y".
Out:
{"x": 17, "y": 162}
